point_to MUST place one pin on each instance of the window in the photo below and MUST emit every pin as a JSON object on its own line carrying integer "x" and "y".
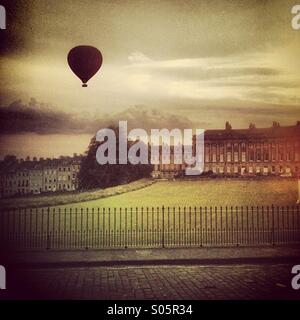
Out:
{"x": 207, "y": 154}
{"x": 266, "y": 156}
{"x": 236, "y": 157}
{"x": 251, "y": 155}
{"x": 214, "y": 157}
{"x": 228, "y": 157}
{"x": 243, "y": 156}
{"x": 280, "y": 152}
{"x": 221, "y": 153}
{"x": 280, "y": 155}
{"x": 258, "y": 155}
{"x": 265, "y": 170}
{"x": 257, "y": 169}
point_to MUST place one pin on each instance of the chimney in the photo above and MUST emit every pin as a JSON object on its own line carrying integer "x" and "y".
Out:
{"x": 252, "y": 126}
{"x": 298, "y": 201}
{"x": 228, "y": 126}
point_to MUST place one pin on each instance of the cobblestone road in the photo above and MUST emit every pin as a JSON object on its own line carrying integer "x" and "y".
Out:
{"x": 163, "y": 282}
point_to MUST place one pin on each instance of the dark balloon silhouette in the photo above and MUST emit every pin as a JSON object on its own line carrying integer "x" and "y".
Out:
{"x": 85, "y": 61}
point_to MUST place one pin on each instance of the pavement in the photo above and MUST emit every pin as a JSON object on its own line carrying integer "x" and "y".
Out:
{"x": 158, "y": 256}
{"x": 197, "y": 282}
{"x": 157, "y": 274}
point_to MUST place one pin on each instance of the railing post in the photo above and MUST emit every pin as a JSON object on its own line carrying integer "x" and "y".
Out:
{"x": 87, "y": 230}
{"x": 273, "y": 226}
{"x": 126, "y": 244}
{"x": 48, "y": 235}
{"x": 163, "y": 227}
{"x": 237, "y": 226}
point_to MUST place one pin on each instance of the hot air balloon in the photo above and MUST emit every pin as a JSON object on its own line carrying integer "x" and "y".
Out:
{"x": 85, "y": 61}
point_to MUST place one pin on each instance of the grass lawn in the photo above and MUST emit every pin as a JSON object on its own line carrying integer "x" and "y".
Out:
{"x": 56, "y": 199}
{"x": 203, "y": 193}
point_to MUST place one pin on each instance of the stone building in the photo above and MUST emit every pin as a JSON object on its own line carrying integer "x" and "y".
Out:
{"x": 246, "y": 152}
{"x": 35, "y": 177}
{"x": 38, "y": 176}
{"x": 67, "y": 175}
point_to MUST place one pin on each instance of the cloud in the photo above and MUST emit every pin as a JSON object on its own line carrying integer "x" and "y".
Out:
{"x": 151, "y": 118}
{"x": 195, "y": 69}
{"x": 138, "y": 57}
{"x": 37, "y": 117}
{"x": 236, "y": 77}
{"x": 34, "y": 117}
{"x": 216, "y": 73}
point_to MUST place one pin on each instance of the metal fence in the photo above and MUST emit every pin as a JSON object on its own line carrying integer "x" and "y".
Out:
{"x": 84, "y": 228}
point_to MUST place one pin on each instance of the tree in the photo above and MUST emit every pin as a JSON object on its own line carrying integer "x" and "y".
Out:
{"x": 94, "y": 175}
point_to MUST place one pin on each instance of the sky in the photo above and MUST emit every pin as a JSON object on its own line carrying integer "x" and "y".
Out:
{"x": 192, "y": 63}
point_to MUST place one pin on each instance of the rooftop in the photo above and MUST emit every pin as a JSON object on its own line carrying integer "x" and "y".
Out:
{"x": 275, "y": 131}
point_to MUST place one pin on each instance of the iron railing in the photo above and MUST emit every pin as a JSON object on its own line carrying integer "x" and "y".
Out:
{"x": 84, "y": 228}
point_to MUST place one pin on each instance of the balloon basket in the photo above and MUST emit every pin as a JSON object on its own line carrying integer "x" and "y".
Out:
{"x": 84, "y": 85}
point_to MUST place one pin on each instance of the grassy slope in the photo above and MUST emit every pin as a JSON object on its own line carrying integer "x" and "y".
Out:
{"x": 204, "y": 193}
{"x": 75, "y": 197}
{"x": 169, "y": 193}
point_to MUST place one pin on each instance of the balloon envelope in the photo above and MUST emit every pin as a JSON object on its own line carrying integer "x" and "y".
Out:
{"x": 85, "y": 61}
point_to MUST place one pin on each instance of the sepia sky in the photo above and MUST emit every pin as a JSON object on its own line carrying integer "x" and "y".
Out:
{"x": 202, "y": 61}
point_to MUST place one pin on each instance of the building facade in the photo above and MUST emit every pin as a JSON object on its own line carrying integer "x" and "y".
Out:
{"x": 245, "y": 152}
{"x": 21, "y": 177}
